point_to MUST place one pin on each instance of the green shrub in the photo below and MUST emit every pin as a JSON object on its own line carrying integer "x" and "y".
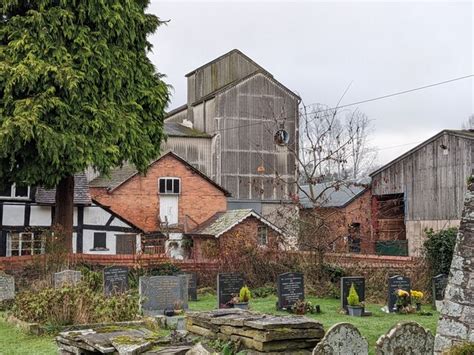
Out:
{"x": 262, "y": 292}
{"x": 74, "y": 305}
{"x": 164, "y": 269}
{"x": 93, "y": 279}
{"x": 244, "y": 294}
{"x": 353, "y": 298}
{"x": 439, "y": 249}
{"x": 462, "y": 349}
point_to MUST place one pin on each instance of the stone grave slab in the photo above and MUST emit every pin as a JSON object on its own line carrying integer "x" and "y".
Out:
{"x": 406, "y": 338}
{"x": 162, "y": 292}
{"x": 290, "y": 288}
{"x": 342, "y": 338}
{"x": 192, "y": 286}
{"x": 228, "y": 285}
{"x": 439, "y": 283}
{"x": 394, "y": 283}
{"x": 359, "y": 284}
{"x": 66, "y": 277}
{"x": 115, "y": 280}
{"x": 7, "y": 287}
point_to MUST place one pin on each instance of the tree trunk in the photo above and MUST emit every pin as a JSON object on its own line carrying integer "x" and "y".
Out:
{"x": 64, "y": 210}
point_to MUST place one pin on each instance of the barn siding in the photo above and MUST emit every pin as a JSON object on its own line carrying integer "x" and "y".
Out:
{"x": 433, "y": 183}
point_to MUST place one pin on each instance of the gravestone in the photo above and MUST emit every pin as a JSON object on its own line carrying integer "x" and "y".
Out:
{"x": 406, "y": 338}
{"x": 439, "y": 283}
{"x": 192, "y": 286}
{"x": 290, "y": 288}
{"x": 342, "y": 338}
{"x": 396, "y": 282}
{"x": 115, "y": 280}
{"x": 359, "y": 284}
{"x": 7, "y": 287}
{"x": 66, "y": 277}
{"x": 158, "y": 293}
{"x": 228, "y": 286}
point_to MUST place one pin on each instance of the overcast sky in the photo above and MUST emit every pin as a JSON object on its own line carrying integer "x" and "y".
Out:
{"x": 318, "y": 48}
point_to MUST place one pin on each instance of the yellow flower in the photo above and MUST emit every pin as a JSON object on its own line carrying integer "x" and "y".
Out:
{"x": 402, "y": 293}
{"x": 418, "y": 295}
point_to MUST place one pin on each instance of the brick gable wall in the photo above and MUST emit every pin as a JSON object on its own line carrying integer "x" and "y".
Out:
{"x": 137, "y": 200}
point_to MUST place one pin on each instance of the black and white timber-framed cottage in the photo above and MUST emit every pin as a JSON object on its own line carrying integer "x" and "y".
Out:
{"x": 422, "y": 189}
{"x": 227, "y": 130}
{"x": 27, "y": 212}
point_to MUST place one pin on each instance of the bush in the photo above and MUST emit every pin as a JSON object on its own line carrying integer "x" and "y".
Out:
{"x": 74, "y": 305}
{"x": 244, "y": 294}
{"x": 439, "y": 249}
{"x": 262, "y": 292}
{"x": 164, "y": 269}
{"x": 461, "y": 349}
{"x": 353, "y": 298}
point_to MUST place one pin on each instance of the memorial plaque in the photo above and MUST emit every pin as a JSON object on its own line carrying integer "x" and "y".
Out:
{"x": 192, "y": 286}
{"x": 395, "y": 283}
{"x": 115, "y": 280}
{"x": 228, "y": 286}
{"x": 439, "y": 283}
{"x": 290, "y": 288}
{"x": 66, "y": 277}
{"x": 7, "y": 287}
{"x": 158, "y": 293}
{"x": 359, "y": 284}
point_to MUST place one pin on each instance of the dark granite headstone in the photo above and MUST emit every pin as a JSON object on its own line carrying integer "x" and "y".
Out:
{"x": 228, "y": 286}
{"x": 192, "y": 286}
{"x": 7, "y": 287}
{"x": 439, "y": 283}
{"x": 66, "y": 277}
{"x": 158, "y": 293}
{"x": 115, "y": 280}
{"x": 394, "y": 283}
{"x": 290, "y": 288}
{"x": 359, "y": 284}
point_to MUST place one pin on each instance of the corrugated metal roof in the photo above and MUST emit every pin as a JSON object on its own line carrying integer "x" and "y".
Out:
{"x": 175, "y": 129}
{"x": 221, "y": 222}
{"x": 81, "y": 192}
{"x": 332, "y": 195}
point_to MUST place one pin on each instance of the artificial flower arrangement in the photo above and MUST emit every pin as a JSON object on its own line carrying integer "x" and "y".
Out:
{"x": 403, "y": 301}
{"x": 417, "y": 296}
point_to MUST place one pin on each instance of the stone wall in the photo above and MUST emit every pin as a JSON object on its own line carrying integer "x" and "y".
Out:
{"x": 456, "y": 323}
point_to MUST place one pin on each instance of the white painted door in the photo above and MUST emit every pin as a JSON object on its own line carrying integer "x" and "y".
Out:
{"x": 169, "y": 208}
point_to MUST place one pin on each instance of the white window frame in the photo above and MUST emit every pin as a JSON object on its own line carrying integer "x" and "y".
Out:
{"x": 166, "y": 178}
{"x": 262, "y": 231}
{"x": 21, "y": 242}
{"x": 13, "y": 193}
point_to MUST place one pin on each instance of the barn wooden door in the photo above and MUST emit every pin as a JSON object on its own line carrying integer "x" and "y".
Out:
{"x": 126, "y": 244}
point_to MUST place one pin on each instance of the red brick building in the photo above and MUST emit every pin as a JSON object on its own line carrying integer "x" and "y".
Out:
{"x": 173, "y": 202}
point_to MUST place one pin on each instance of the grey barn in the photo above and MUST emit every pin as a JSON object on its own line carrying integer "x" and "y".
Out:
{"x": 227, "y": 130}
{"x": 423, "y": 188}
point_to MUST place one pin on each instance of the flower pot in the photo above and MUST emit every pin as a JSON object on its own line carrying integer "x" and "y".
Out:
{"x": 241, "y": 305}
{"x": 355, "y": 311}
{"x": 418, "y": 307}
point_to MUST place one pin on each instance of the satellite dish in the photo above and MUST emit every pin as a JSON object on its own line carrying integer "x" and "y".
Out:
{"x": 281, "y": 137}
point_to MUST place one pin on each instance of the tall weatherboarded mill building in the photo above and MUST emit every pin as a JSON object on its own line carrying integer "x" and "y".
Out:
{"x": 423, "y": 188}
{"x": 227, "y": 130}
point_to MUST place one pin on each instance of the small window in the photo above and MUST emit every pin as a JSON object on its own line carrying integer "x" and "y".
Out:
{"x": 15, "y": 191}
{"x": 25, "y": 244}
{"x": 100, "y": 241}
{"x": 169, "y": 186}
{"x": 262, "y": 235}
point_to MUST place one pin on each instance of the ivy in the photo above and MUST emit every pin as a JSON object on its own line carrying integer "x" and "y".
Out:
{"x": 439, "y": 249}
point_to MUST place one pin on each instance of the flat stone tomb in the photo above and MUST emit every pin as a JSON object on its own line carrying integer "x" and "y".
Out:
{"x": 7, "y": 287}
{"x": 192, "y": 286}
{"x": 158, "y": 293}
{"x": 228, "y": 286}
{"x": 115, "y": 280}
{"x": 359, "y": 284}
{"x": 290, "y": 288}
{"x": 395, "y": 283}
{"x": 439, "y": 283}
{"x": 66, "y": 277}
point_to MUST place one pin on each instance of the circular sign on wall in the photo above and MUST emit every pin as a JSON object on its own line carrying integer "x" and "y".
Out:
{"x": 282, "y": 137}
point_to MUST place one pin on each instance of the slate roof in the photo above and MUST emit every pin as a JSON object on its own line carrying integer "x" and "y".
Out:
{"x": 120, "y": 175}
{"x": 174, "y": 129}
{"x": 81, "y": 192}
{"x": 221, "y": 222}
{"x": 331, "y": 196}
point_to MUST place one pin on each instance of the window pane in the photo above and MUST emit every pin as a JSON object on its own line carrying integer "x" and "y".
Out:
{"x": 169, "y": 185}
{"x": 21, "y": 191}
{"x": 100, "y": 240}
{"x": 6, "y": 191}
{"x": 176, "y": 186}
{"x": 162, "y": 186}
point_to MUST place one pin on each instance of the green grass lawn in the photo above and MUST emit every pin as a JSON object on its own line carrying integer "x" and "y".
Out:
{"x": 370, "y": 327}
{"x": 14, "y": 341}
